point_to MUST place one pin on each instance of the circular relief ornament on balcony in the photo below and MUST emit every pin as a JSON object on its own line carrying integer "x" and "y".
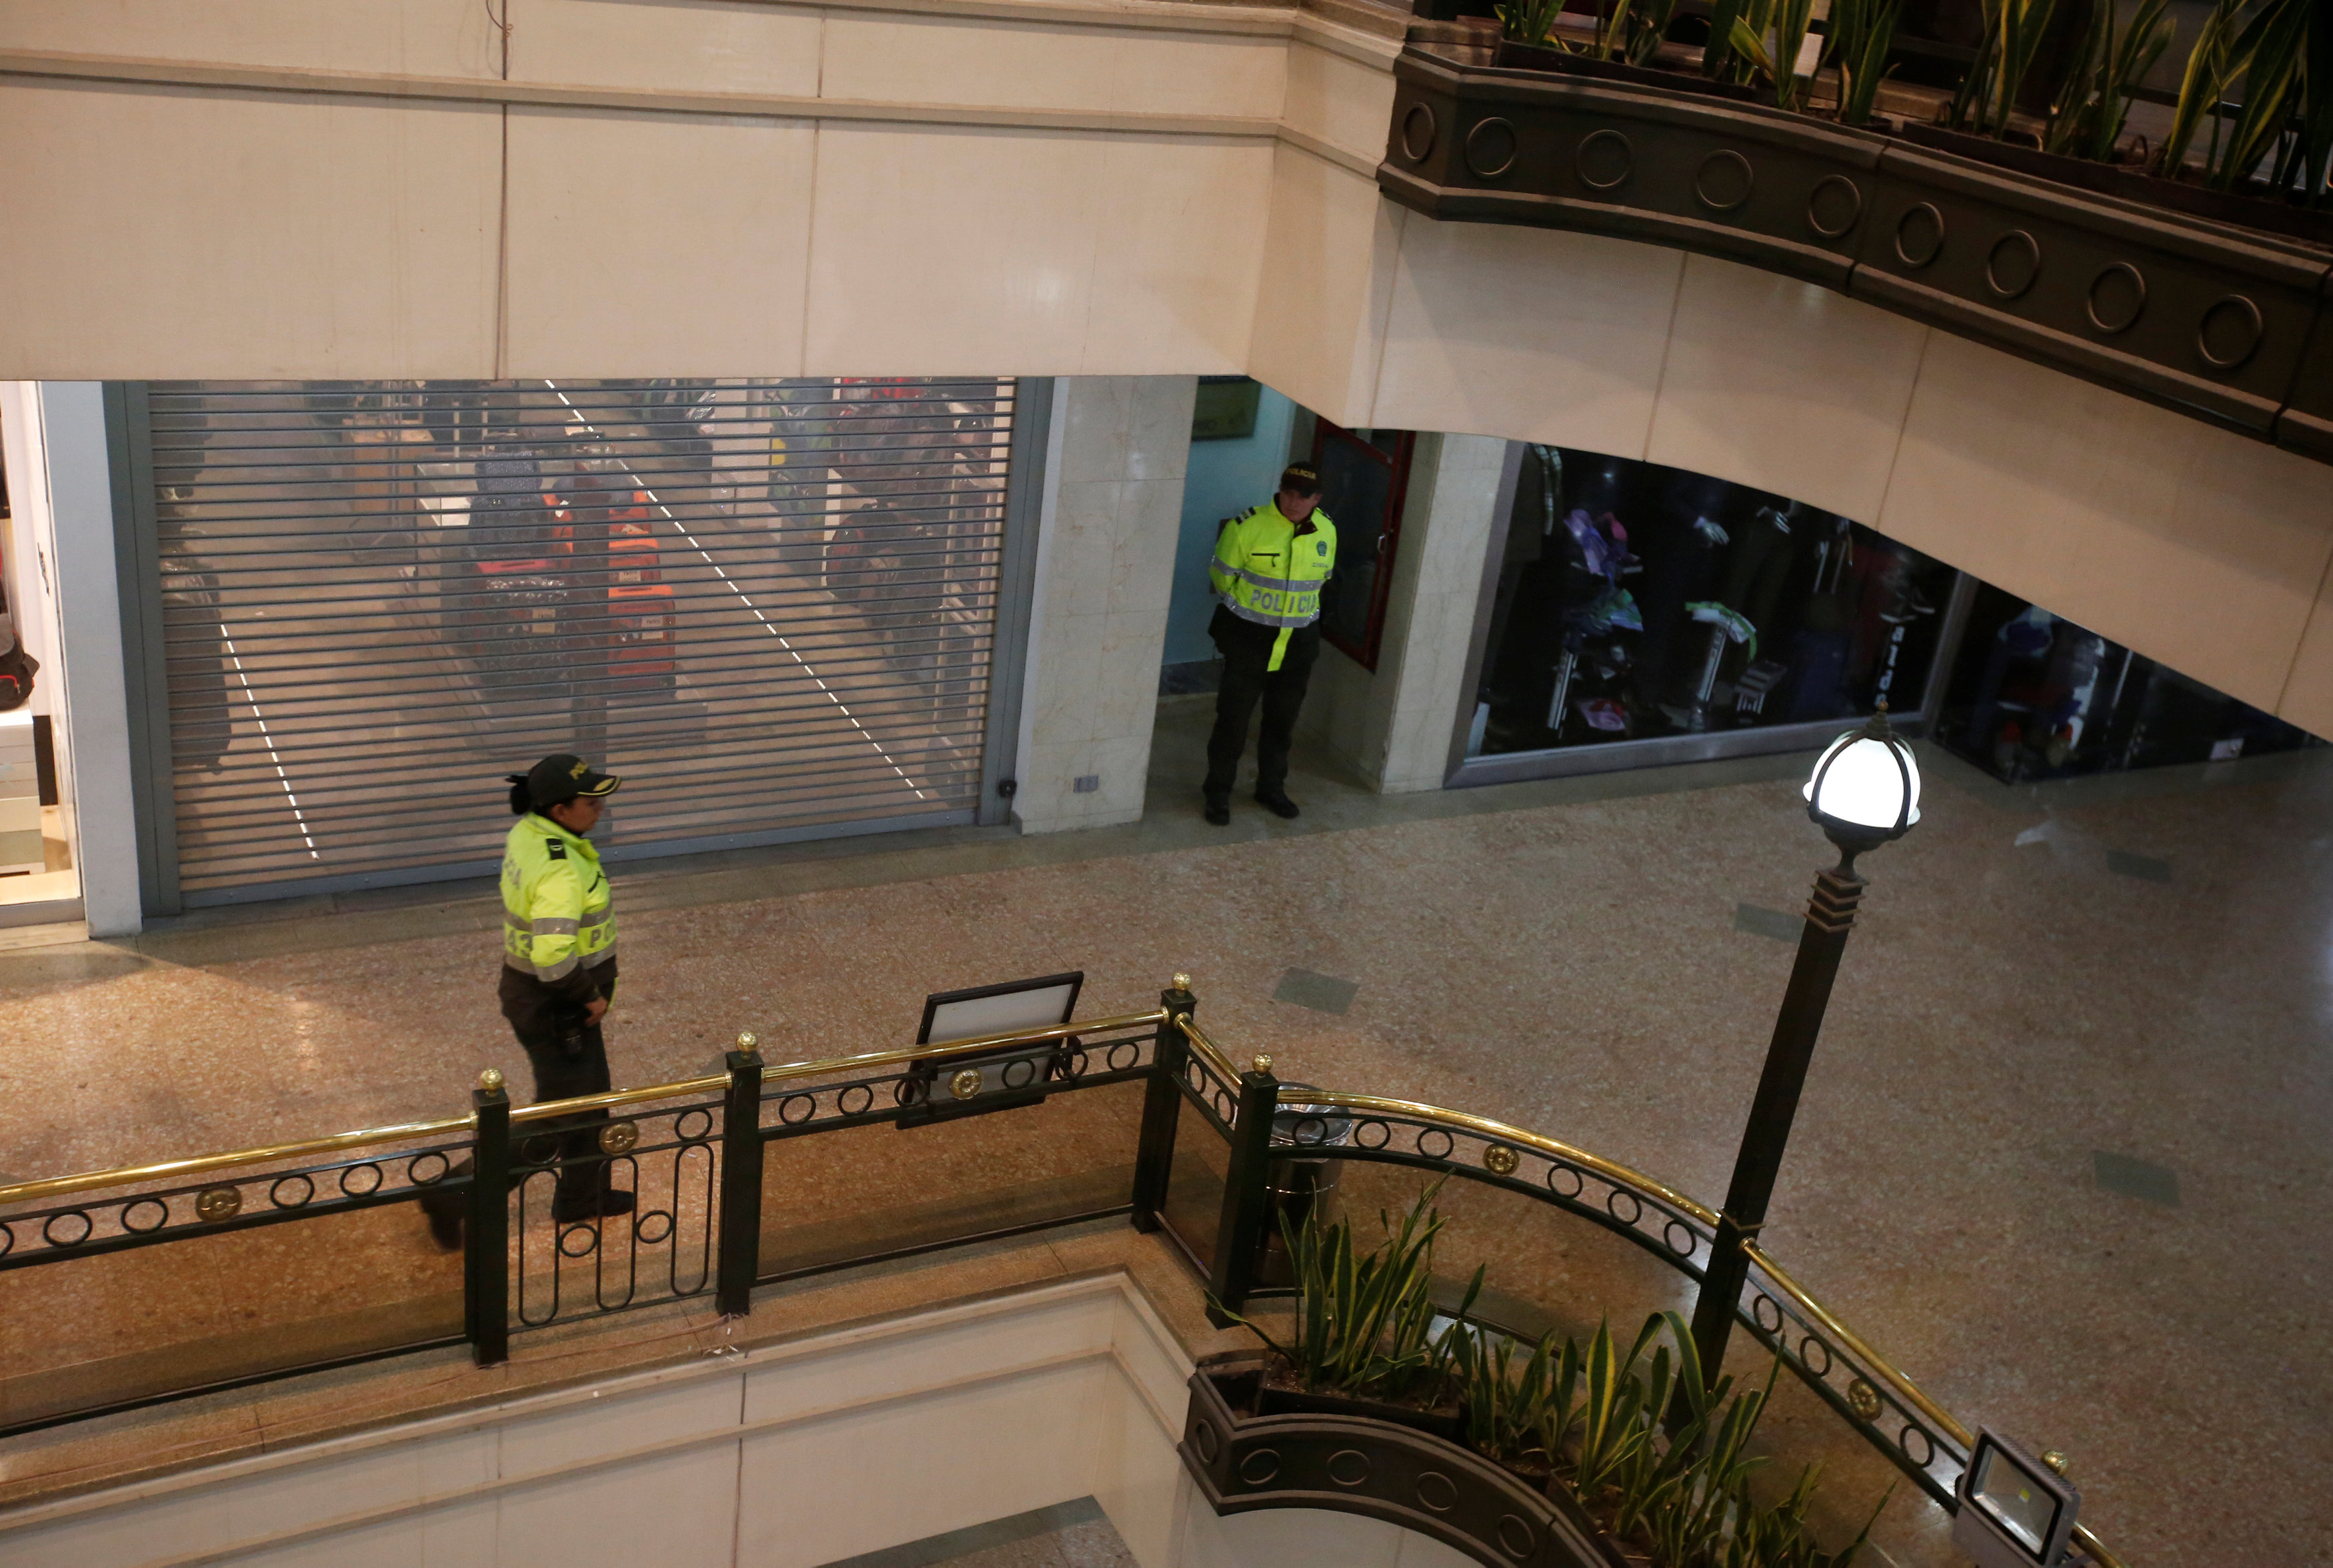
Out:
{"x": 1416, "y": 137}
{"x": 1490, "y": 148}
{"x": 1604, "y": 161}
{"x": 1919, "y": 236}
{"x": 1726, "y": 180}
{"x": 2229, "y": 333}
{"x": 2014, "y": 263}
{"x": 1437, "y": 1492}
{"x": 1834, "y": 206}
{"x": 1348, "y": 1466}
{"x": 2117, "y": 297}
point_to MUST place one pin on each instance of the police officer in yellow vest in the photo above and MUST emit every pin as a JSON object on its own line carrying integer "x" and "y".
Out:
{"x": 1268, "y": 570}
{"x": 558, "y": 964}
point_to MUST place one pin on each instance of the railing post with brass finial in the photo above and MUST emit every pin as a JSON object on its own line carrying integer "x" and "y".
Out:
{"x": 485, "y": 1239}
{"x": 1162, "y": 1106}
{"x": 1247, "y": 1194}
{"x": 741, "y": 1181}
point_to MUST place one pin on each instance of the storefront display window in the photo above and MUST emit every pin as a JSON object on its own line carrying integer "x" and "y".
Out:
{"x": 2034, "y": 697}
{"x": 1636, "y": 602}
{"x": 1364, "y": 481}
{"x": 38, "y": 878}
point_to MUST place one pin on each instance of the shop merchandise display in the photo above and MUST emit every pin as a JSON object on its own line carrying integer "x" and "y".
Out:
{"x": 1636, "y": 601}
{"x": 2034, "y": 696}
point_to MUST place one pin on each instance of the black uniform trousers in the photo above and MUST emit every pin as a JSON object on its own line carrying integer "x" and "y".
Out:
{"x": 567, "y": 1061}
{"x": 1246, "y": 648}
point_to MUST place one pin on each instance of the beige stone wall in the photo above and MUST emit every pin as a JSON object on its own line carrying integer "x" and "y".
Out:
{"x": 1114, "y": 505}
{"x": 1390, "y": 727}
{"x": 1075, "y": 188}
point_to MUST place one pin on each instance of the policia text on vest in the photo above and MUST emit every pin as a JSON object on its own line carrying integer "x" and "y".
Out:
{"x": 1267, "y": 572}
{"x": 558, "y": 976}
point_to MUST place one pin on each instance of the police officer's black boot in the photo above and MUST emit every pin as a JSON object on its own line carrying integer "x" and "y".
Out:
{"x": 1278, "y": 804}
{"x": 1219, "y": 810}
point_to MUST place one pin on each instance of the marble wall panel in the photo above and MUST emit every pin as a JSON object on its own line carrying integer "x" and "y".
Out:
{"x": 1327, "y": 271}
{"x": 1784, "y": 386}
{"x": 969, "y": 59}
{"x": 420, "y": 37}
{"x": 597, "y": 286}
{"x": 2193, "y": 545}
{"x": 691, "y": 47}
{"x": 166, "y": 234}
{"x": 1342, "y": 100}
{"x": 1531, "y": 334}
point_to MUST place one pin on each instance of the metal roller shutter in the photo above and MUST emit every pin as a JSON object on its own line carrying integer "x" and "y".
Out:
{"x": 770, "y": 605}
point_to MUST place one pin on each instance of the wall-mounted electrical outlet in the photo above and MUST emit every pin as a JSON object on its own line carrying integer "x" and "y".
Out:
{"x": 1087, "y": 783}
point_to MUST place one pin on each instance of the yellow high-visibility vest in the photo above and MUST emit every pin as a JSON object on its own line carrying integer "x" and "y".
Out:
{"x": 1269, "y": 570}
{"x": 559, "y": 915}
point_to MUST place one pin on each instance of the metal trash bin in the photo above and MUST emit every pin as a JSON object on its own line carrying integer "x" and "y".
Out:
{"x": 1300, "y": 1186}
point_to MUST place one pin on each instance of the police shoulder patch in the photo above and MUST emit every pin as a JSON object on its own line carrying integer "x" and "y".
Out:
{"x": 557, "y": 850}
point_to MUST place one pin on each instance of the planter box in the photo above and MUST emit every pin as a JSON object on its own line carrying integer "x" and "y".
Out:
{"x": 2231, "y": 326}
{"x": 1377, "y": 1469}
{"x": 1514, "y": 56}
{"x": 1274, "y": 1397}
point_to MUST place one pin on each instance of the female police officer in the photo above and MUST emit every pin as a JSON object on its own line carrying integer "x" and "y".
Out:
{"x": 559, "y": 962}
{"x": 558, "y": 975}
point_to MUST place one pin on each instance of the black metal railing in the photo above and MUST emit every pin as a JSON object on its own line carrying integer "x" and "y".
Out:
{"x": 232, "y": 1268}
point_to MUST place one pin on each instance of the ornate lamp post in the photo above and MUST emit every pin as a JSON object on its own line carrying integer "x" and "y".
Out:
{"x": 1865, "y": 793}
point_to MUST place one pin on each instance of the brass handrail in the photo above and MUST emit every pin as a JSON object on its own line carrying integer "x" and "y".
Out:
{"x": 62, "y": 1186}
{"x": 820, "y": 1068}
{"x": 1905, "y": 1389}
{"x": 1611, "y": 1170}
{"x": 1216, "y": 1057}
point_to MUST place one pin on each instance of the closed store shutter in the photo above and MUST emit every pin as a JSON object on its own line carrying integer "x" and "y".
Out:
{"x": 770, "y": 605}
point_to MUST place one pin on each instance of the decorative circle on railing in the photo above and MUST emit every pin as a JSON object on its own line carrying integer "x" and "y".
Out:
{"x": 2117, "y": 297}
{"x": 1491, "y": 147}
{"x": 1348, "y": 1466}
{"x": 536, "y": 1150}
{"x": 1604, "y": 161}
{"x": 420, "y": 1172}
{"x": 579, "y": 1240}
{"x": 1133, "y": 1049}
{"x": 1026, "y": 1066}
{"x": 1225, "y": 1106}
{"x": 1309, "y": 1130}
{"x": 279, "y": 1194}
{"x": 1372, "y": 1134}
{"x": 791, "y": 1117}
{"x": 1557, "y": 1174}
{"x": 1927, "y": 1452}
{"x": 137, "y": 1227}
{"x": 1834, "y": 206}
{"x": 1075, "y": 1063}
{"x": 1438, "y": 1151}
{"x": 652, "y": 1227}
{"x": 2014, "y": 262}
{"x": 1808, "y": 1347}
{"x": 1619, "y": 1195}
{"x": 1766, "y": 1314}
{"x": 1517, "y": 1539}
{"x": 1501, "y": 1159}
{"x": 1724, "y": 181}
{"x": 7, "y": 1239}
{"x": 2228, "y": 333}
{"x": 1204, "y": 1439}
{"x": 1437, "y": 1491}
{"x": 964, "y": 1087}
{"x": 69, "y": 1219}
{"x": 1259, "y": 1465}
{"x": 1674, "y": 1228}
{"x": 693, "y": 1126}
{"x": 1418, "y": 132}
{"x": 1919, "y": 235}
{"x": 356, "y": 1181}
{"x": 619, "y": 1137}
{"x": 1863, "y": 1400}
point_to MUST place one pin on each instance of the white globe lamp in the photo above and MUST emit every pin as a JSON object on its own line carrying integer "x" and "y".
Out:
{"x": 1866, "y": 788}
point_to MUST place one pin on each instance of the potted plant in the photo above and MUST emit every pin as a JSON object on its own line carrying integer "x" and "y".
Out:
{"x": 1362, "y": 1342}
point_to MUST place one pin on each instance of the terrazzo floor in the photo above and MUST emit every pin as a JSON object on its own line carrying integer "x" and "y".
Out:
{"x": 2062, "y": 1155}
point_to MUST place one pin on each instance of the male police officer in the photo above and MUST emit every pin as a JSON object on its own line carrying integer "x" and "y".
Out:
{"x": 1268, "y": 570}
